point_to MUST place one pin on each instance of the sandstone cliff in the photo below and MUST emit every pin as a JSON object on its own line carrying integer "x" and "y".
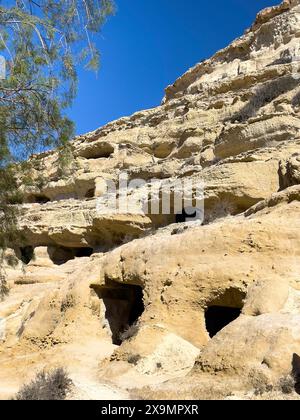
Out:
{"x": 139, "y": 299}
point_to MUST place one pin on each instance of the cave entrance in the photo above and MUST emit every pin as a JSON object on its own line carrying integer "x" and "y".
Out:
{"x": 189, "y": 214}
{"x": 217, "y": 317}
{"x": 83, "y": 252}
{"x": 39, "y": 199}
{"x": 90, "y": 193}
{"x": 223, "y": 310}
{"x": 27, "y": 254}
{"x": 105, "y": 151}
{"x": 61, "y": 255}
{"x": 123, "y": 306}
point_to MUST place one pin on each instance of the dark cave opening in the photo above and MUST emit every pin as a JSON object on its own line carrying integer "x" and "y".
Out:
{"x": 39, "y": 199}
{"x": 27, "y": 253}
{"x": 217, "y": 317}
{"x": 90, "y": 193}
{"x": 104, "y": 152}
{"x": 83, "y": 252}
{"x": 224, "y": 309}
{"x": 61, "y": 255}
{"x": 123, "y": 307}
{"x": 189, "y": 214}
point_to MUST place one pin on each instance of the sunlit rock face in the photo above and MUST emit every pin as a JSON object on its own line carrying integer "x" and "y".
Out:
{"x": 142, "y": 298}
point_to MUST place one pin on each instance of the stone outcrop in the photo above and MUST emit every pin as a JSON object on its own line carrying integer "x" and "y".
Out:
{"x": 146, "y": 297}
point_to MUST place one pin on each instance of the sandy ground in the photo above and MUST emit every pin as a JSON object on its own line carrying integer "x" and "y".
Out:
{"x": 82, "y": 371}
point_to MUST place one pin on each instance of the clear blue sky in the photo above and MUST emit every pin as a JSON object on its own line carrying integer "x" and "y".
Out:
{"x": 147, "y": 45}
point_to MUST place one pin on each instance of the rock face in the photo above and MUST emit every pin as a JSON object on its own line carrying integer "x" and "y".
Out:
{"x": 144, "y": 297}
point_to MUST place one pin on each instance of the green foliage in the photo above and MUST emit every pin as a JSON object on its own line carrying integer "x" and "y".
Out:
{"x": 8, "y": 214}
{"x": 43, "y": 42}
{"x": 46, "y": 386}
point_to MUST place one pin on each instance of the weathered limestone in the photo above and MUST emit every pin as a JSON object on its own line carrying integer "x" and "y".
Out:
{"x": 150, "y": 300}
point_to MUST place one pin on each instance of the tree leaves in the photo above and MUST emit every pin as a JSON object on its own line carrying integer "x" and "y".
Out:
{"x": 43, "y": 42}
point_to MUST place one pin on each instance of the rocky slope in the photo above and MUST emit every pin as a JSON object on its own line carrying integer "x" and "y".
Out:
{"x": 138, "y": 298}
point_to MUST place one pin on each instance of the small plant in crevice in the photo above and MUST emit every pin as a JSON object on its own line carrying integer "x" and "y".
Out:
{"x": 67, "y": 303}
{"x": 129, "y": 332}
{"x": 179, "y": 230}
{"x": 133, "y": 359}
{"x": 12, "y": 261}
{"x": 50, "y": 386}
{"x": 259, "y": 381}
{"x": 263, "y": 95}
{"x": 263, "y": 388}
{"x": 287, "y": 384}
{"x": 4, "y": 290}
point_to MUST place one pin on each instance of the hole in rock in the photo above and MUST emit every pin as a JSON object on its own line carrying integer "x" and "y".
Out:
{"x": 66, "y": 196}
{"x": 223, "y": 310}
{"x": 27, "y": 253}
{"x": 296, "y": 372}
{"x": 124, "y": 305}
{"x": 39, "y": 199}
{"x": 90, "y": 193}
{"x": 189, "y": 214}
{"x": 106, "y": 151}
{"x": 61, "y": 255}
{"x": 83, "y": 252}
{"x": 217, "y": 317}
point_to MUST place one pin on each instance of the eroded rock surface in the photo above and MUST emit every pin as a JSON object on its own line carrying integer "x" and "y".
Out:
{"x": 138, "y": 298}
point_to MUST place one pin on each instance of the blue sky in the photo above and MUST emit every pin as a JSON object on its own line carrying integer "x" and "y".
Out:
{"x": 147, "y": 45}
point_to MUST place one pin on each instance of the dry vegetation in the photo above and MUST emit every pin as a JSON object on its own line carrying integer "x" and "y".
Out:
{"x": 51, "y": 386}
{"x": 3, "y": 287}
{"x": 222, "y": 390}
